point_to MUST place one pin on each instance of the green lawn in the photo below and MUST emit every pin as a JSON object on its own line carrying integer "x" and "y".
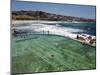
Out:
{"x": 46, "y": 53}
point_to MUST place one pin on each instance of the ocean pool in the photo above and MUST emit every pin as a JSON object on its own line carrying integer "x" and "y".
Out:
{"x": 50, "y": 53}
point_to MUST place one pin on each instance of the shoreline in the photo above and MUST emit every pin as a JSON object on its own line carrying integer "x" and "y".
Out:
{"x": 42, "y": 21}
{"x": 53, "y": 29}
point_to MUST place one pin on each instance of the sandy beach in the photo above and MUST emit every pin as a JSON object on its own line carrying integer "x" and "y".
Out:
{"x": 41, "y": 21}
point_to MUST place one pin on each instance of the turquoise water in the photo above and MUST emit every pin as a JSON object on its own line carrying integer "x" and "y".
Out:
{"x": 77, "y": 28}
{"x": 88, "y": 28}
{"x": 49, "y": 53}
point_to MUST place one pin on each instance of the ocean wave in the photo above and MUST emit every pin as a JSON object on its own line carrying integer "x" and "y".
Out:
{"x": 52, "y": 29}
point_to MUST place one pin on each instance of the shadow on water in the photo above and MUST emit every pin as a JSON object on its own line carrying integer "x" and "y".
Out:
{"x": 27, "y": 39}
{"x": 33, "y": 36}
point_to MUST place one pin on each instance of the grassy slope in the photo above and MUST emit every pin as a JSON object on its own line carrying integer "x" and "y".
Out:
{"x": 51, "y": 53}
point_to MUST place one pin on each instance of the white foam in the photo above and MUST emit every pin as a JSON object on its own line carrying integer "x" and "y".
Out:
{"x": 53, "y": 29}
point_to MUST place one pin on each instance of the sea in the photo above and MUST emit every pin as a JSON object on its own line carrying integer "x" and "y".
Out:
{"x": 86, "y": 28}
{"x": 33, "y": 53}
{"x": 60, "y": 28}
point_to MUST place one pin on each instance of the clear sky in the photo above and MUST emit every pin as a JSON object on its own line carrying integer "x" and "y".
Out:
{"x": 84, "y": 11}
